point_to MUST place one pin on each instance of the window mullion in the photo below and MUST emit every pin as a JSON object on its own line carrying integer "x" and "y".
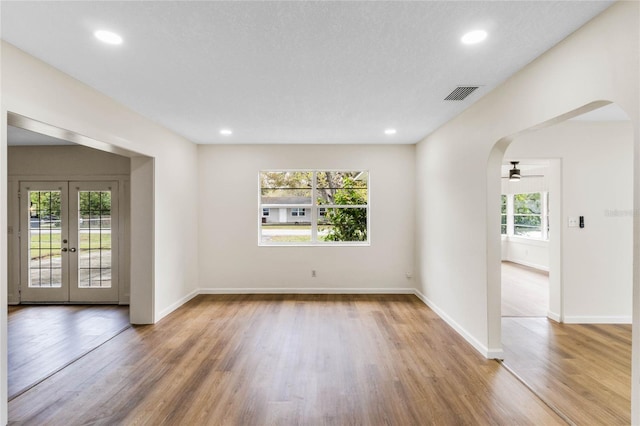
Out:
{"x": 544, "y": 215}
{"x": 510, "y": 216}
{"x": 314, "y": 210}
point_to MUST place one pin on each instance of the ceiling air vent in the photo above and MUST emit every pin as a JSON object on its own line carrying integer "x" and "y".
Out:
{"x": 460, "y": 93}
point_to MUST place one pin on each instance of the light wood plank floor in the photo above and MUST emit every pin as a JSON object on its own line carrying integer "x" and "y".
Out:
{"x": 286, "y": 360}
{"x": 582, "y": 370}
{"x": 525, "y": 291}
{"x": 44, "y": 338}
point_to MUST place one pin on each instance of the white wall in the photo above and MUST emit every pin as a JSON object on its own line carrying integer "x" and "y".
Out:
{"x": 66, "y": 163}
{"x": 4, "y": 415}
{"x": 230, "y": 258}
{"x": 35, "y": 90}
{"x": 526, "y": 251}
{"x": 458, "y": 254}
{"x": 597, "y": 183}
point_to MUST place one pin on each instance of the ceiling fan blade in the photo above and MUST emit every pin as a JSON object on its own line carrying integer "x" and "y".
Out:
{"x": 523, "y": 176}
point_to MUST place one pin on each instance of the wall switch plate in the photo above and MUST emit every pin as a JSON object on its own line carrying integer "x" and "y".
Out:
{"x": 572, "y": 222}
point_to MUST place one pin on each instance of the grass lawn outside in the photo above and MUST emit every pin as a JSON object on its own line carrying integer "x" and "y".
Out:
{"x": 290, "y": 239}
{"x": 45, "y": 244}
{"x": 291, "y": 226}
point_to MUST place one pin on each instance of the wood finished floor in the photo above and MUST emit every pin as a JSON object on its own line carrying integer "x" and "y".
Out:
{"x": 286, "y": 360}
{"x": 44, "y": 338}
{"x": 525, "y": 291}
{"x": 584, "y": 370}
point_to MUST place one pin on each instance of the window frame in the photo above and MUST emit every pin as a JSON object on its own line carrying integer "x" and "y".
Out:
{"x": 544, "y": 216}
{"x": 313, "y": 213}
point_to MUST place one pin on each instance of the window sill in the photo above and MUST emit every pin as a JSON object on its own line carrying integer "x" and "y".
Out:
{"x": 525, "y": 240}
{"x": 367, "y": 244}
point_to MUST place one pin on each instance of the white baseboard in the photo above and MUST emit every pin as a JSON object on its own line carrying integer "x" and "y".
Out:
{"x": 553, "y": 316}
{"x": 166, "y": 311}
{"x": 495, "y": 354}
{"x": 529, "y": 264}
{"x": 575, "y": 319}
{"x": 486, "y": 352}
{"x": 306, "y": 290}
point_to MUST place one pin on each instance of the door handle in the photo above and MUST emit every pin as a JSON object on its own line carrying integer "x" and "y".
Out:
{"x": 72, "y": 250}
{"x": 64, "y": 249}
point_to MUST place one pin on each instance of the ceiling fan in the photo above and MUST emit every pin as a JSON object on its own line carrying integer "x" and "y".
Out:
{"x": 514, "y": 173}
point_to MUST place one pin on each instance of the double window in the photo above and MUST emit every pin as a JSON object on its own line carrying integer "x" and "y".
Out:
{"x": 526, "y": 215}
{"x": 314, "y": 207}
{"x": 298, "y": 211}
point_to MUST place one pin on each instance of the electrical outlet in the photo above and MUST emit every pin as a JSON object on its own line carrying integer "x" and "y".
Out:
{"x": 313, "y": 273}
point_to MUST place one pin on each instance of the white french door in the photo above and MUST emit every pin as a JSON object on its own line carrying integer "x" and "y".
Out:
{"x": 68, "y": 242}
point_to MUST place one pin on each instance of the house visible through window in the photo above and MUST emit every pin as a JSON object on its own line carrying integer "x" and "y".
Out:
{"x": 314, "y": 207}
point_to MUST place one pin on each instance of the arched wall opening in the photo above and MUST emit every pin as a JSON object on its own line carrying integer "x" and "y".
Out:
{"x": 561, "y": 309}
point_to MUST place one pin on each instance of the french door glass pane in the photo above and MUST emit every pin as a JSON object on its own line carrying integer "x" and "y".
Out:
{"x": 94, "y": 234}
{"x": 45, "y": 248}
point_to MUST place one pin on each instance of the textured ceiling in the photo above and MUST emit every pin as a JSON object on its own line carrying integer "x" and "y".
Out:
{"x": 292, "y": 72}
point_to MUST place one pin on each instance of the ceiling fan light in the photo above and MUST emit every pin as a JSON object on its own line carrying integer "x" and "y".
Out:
{"x": 514, "y": 175}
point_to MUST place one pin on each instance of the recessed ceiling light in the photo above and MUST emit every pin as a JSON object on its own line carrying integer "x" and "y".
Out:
{"x": 474, "y": 37}
{"x": 390, "y": 132}
{"x": 225, "y": 132}
{"x": 108, "y": 37}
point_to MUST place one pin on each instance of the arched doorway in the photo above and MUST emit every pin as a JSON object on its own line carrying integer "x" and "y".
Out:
{"x": 591, "y": 272}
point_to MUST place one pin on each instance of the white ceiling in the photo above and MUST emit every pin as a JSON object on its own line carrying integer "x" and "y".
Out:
{"x": 292, "y": 72}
